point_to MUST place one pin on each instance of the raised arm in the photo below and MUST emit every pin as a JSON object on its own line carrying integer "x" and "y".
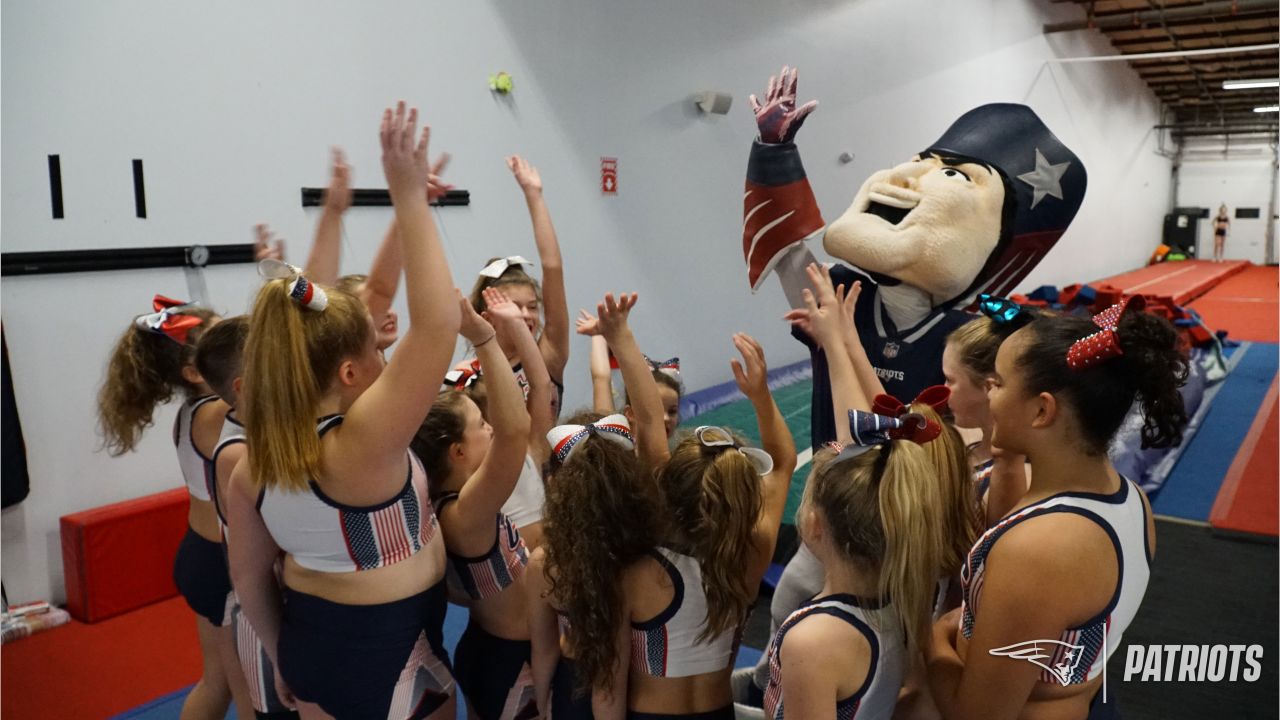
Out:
{"x": 266, "y": 246}
{"x": 868, "y": 380}
{"x": 650, "y": 429}
{"x": 541, "y": 415}
{"x": 554, "y": 342}
{"x": 601, "y": 374}
{"x": 379, "y": 291}
{"x": 382, "y": 421}
{"x": 326, "y": 249}
{"x": 471, "y": 517}
{"x": 752, "y": 376}
{"x": 821, "y": 318}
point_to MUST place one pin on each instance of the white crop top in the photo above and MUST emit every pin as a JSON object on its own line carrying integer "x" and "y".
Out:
{"x": 668, "y": 645}
{"x": 197, "y": 470}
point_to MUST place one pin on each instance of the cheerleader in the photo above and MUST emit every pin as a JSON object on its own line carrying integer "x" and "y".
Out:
{"x": 153, "y": 360}
{"x": 1068, "y": 567}
{"x": 666, "y": 373}
{"x": 354, "y": 627}
{"x": 472, "y": 468}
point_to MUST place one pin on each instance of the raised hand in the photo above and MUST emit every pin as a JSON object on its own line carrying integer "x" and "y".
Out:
{"x": 474, "y": 328}
{"x": 821, "y": 317}
{"x": 525, "y": 174}
{"x": 587, "y": 324}
{"x": 263, "y": 247}
{"x": 404, "y": 162}
{"x": 337, "y": 198}
{"x": 848, "y": 301}
{"x": 499, "y": 308}
{"x": 778, "y": 118}
{"x": 751, "y": 374}
{"x": 613, "y": 314}
{"x": 436, "y": 186}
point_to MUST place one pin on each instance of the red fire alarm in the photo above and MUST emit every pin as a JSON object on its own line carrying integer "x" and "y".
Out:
{"x": 609, "y": 175}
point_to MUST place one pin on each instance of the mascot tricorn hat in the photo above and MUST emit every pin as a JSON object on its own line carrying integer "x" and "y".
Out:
{"x": 1047, "y": 181}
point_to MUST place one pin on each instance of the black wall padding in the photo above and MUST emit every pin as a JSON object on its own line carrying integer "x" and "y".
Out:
{"x": 15, "y": 484}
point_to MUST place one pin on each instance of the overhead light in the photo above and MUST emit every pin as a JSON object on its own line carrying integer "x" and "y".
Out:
{"x": 1269, "y": 108}
{"x": 1246, "y": 84}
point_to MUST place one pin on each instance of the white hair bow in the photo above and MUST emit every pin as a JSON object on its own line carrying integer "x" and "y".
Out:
{"x": 497, "y": 267}
{"x": 565, "y": 439}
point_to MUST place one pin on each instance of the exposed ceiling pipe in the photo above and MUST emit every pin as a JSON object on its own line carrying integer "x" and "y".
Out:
{"x": 1171, "y": 53}
{"x": 1135, "y": 20}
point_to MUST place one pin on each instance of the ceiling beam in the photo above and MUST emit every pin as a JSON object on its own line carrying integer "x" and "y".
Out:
{"x": 1129, "y": 19}
{"x": 1245, "y": 37}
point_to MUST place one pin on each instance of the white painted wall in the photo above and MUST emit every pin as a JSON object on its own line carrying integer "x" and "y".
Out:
{"x": 233, "y": 110}
{"x": 1238, "y": 174}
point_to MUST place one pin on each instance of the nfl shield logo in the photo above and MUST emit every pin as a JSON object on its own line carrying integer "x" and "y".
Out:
{"x": 891, "y": 350}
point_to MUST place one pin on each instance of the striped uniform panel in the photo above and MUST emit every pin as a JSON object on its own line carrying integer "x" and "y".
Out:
{"x": 649, "y": 650}
{"x": 257, "y": 667}
{"x": 982, "y": 478}
{"x": 387, "y": 536}
{"x": 497, "y": 571}
{"x": 774, "y": 709}
{"x": 425, "y": 684}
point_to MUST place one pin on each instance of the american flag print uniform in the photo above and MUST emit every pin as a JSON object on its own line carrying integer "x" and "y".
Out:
{"x": 668, "y": 645}
{"x": 880, "y": 625}
{"x": 325, "y": 535}
{"x": 483, "y": 577}
{"x": 1123, "y": 516}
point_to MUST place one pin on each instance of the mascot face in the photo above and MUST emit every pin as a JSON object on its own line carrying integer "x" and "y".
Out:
{"x": 929, "y": 223}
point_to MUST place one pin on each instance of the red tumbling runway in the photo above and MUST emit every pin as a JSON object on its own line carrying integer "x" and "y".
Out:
{"x": 1250, "y": 493}
{"x": 1245, "y": 305}
{"x": 99, "y": 670}
{"x": 1181, "y": 281}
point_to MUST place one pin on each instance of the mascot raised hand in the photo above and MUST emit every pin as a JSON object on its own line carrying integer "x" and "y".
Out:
{"x": 972, "y": 213}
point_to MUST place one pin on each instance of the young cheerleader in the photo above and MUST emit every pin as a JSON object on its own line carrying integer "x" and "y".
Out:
{"x": 601, "y": 511}
{"x": 666, "y": 374}
{"x": 1068, "y": 567}
{"x": 872, "y": 515}
{"x": 968, "y": 363}
{"x": 151, "y": 361}
{"x": 472, "y": 468}
{"x": 354, "y": 630}
{"x": 686, "y": 602}
{"x": 219, "y": 356}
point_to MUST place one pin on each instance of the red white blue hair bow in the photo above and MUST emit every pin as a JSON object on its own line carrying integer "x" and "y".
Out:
{"x": 1104, "y": 344}
{"x": 463, "y": 378}
{"x": 670, "y": 367}
{"x": 935, "y": 396}
{"x": 496, "y": 268}
{"x": 565, "y": 439}
{"x": 870, "y": 429}
{"x": 302, "y": 290}
{"x": 168, "y": 319}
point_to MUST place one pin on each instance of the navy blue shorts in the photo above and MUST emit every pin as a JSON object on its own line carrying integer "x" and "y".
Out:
{"x": 200, "y": 572}
{"x": 566, "y": 702}
{"x": 1099, "y": 710}
{"x": 724, "y": 713}
{"x": 366, "y": 661}
{"x": 494, "y": 675}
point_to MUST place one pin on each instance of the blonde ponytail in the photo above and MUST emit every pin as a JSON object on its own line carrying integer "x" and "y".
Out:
{"x": 912, "y": 511}
{"x": 290, "y": 359}
{"x": 959, "y": 521}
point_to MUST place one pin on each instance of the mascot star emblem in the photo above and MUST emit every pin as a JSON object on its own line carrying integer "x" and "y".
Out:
{"x": 1046, "y": 179}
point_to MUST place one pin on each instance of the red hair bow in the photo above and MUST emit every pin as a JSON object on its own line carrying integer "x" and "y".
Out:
{"x": 168, "y": 320}
{"x": 463, "y": 378}
{"x": 1104, "y": 344}
{"x": 935, "y": 396}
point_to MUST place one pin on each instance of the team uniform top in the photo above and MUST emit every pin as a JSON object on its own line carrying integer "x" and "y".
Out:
{"x": 197, "y": 470}
{"x": 233, "y": 433}
{"x": 880, "y": 625}
{"x": 525, "y": 504}
{"x": 906, "y": 360}
{"x": 488, "y": 575}
{"x": 982, "y": 478}
{"x": 668, "y": 644}
{"x": 1083, "y": 650}
{"x": 325, "y": 535}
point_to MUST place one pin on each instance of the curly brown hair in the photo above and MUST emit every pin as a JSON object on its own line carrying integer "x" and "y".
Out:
{"x": 598, "y": 521}
{"x": 145, "y": 369}
{"x": 713, "y": 502}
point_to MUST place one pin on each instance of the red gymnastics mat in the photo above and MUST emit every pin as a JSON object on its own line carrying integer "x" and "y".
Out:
{"x": 1182, "y": 281}
{"x": 1250, "y": 492}
{"x": 100, "y": 670}
{"x": 1245, "y": 305}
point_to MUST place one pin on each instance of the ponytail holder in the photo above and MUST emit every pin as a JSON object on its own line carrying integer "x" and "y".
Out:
{"x": 1004, "y": 312}
{"x": 1104, "y": 344}
{"x": 935, "y": 396}
{"x": 495, "y": 269}
{"x": 564, "y": 439}
{"x": 302, "y": 290}
{"x": 462, "y": 378}
{"x": 168, "y": 319}
{"x": 715, "y": 436}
